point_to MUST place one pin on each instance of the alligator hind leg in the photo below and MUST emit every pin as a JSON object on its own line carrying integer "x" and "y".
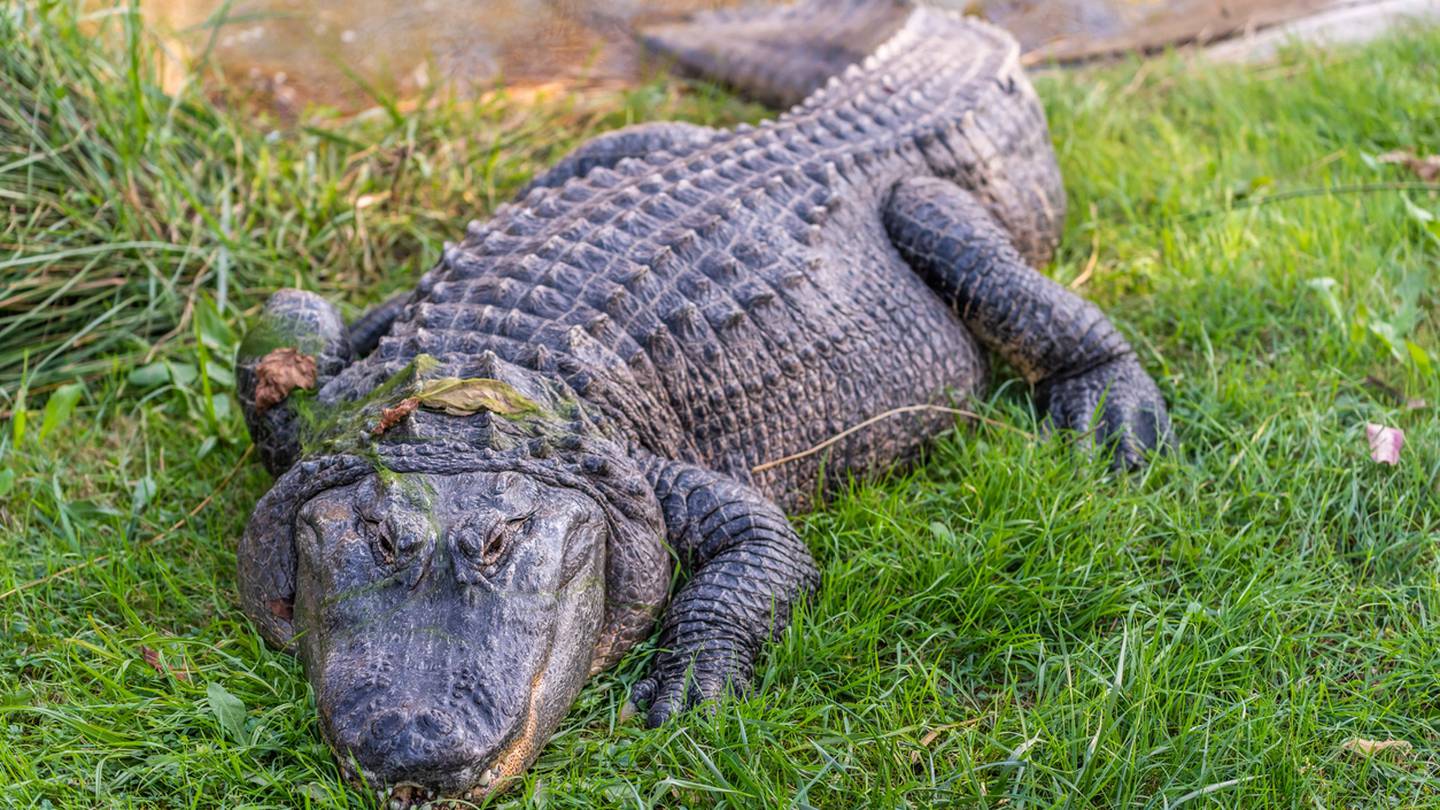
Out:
{"x": 608, "y": 149}
{"x": 299, "y": 342}
{"x": 366, "y": 331}
{"x": 747, "y": 570}
{"x": 1084, "y": 371}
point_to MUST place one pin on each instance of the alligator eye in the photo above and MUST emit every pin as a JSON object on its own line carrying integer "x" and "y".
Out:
{"x": 495, "y": 545}
{"x": 388, "y": 542}
{"x": 484, "y": 546}
{"x": 385, "y": 544}
{"x": 375, "y": 533}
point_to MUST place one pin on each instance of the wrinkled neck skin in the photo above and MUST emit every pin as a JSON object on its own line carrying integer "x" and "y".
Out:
{"x": 450, "y": 590}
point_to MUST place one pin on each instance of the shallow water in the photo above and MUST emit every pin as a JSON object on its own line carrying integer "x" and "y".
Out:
{"x": 325, "y": 50}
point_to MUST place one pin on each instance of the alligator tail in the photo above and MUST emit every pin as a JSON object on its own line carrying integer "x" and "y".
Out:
{"x": 777, "y": 56}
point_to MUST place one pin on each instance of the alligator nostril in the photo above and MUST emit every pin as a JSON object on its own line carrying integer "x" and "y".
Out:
{"x": 387, "y": 725}
{"x": 434, "y": 725}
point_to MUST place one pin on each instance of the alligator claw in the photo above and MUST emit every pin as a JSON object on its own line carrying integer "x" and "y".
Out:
{"x": 1113, "y": 404}
{"x": 669, "y": 691}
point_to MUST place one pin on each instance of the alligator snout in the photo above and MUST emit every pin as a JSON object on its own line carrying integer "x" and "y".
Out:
{"x": 427, "y": 727}
{"x": 421, "y": 745}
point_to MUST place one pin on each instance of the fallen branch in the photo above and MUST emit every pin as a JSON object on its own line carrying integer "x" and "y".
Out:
{"x": 80, "y": 566}
{"x": 1089, "y": 264}
{"x": 1302, "y": 193}
{"x": 769, "y": 465}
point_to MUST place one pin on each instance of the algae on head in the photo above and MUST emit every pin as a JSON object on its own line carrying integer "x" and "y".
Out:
{"x": 348, "y": 427}
{"x": 343, "y": 427}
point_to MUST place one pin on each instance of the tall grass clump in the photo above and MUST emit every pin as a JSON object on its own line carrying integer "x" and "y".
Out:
{"x": 114, "y": 193}
{"x": 125, "y": 204}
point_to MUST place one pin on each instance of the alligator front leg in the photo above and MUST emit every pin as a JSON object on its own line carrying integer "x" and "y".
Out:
{"x": 299, "y": 342}
{"x": 747, "y": 570}
{"x": 1084, "y": 371}
{"x": 636, "y": 141}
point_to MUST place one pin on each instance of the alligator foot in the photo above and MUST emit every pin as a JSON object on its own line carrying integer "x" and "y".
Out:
{"x": 1115, "y": 403}
{"x": 1062, "y": 344}
{"x": 748, "y": 571}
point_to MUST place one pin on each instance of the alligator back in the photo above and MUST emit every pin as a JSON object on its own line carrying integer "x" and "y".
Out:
{"x": 738, "y": 301}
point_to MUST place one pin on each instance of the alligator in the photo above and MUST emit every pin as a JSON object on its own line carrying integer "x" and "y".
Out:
{"x": 486, "y": 487}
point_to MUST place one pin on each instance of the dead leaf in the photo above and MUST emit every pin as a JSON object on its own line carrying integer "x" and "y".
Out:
{"x": 280, "y": 372}
{"x": 390, "y": 417}
{"x": 152, "y": 657}
{"x": 1385, "y": 443}
{"x": 281, "y": 608}
{"x": 463, "y": 397}
{"x": 366, "y": 200}
{"x": 930, "y": 737}
{"x": 1426, "y": 168}
{"x": 1370, "y": 748}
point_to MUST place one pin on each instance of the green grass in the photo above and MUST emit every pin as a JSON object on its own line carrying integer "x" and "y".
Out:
{"x": 1005, "y": 625}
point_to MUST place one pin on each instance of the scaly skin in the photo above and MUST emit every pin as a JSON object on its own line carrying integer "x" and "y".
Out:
{"x": 671, "y": 307}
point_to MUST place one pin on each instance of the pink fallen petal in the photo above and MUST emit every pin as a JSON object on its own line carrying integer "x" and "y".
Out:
{"x": 1385, "y": 442}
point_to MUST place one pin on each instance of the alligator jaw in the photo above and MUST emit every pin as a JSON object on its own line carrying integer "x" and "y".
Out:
{"x": 405, "y": 795}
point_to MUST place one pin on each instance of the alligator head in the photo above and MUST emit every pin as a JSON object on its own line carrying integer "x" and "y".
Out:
{"x": 449, "y": 605}
{"x": 451, "y": 619}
